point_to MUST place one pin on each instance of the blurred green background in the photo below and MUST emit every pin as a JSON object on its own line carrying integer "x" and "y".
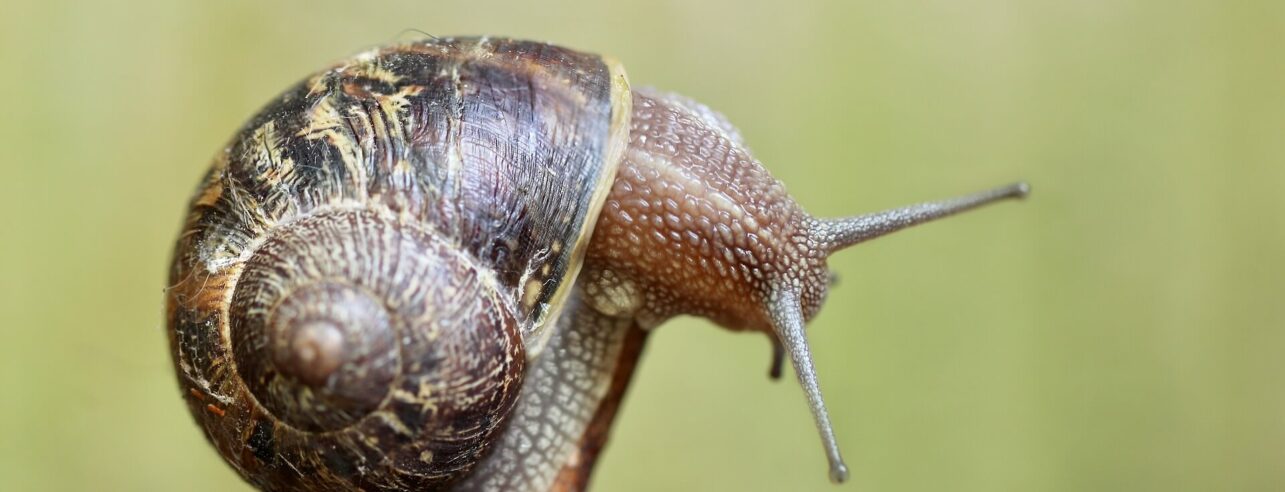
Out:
{"x": 1124, "y": 329}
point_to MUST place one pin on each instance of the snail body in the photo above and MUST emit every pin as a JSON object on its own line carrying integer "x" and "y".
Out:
{"x": 432, "y": 266}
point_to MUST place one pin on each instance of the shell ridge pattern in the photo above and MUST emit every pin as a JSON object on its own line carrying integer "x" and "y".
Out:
{"x": 365, "y": 444}
{"x": 520, "y": 149}
{"x": 491, "y": 150}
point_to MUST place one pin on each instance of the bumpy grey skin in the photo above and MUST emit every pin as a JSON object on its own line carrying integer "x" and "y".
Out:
{"x": 562, "y": 391}
{"x": 377, "y": 287}
{"x": 694, "y": 225}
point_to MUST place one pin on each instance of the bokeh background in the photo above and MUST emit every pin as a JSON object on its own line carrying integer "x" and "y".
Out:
{"x": 1124, "y": 329}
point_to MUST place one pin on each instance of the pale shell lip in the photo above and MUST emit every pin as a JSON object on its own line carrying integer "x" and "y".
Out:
{"x": 617, "y": 143}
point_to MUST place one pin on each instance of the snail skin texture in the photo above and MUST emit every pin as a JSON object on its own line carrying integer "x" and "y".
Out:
{"x": 433, "y": 266}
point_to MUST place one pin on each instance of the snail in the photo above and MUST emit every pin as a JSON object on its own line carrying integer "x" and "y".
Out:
{"x": 433, "y": 266}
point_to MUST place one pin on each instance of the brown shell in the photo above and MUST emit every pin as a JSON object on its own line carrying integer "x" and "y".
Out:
{"x": 412, "y": 217}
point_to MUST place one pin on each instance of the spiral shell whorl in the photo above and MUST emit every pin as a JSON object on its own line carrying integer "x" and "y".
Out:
{"x": 368, "y": 262}
{"x": 351, "y": 328}
{"x": 312, "y": 325}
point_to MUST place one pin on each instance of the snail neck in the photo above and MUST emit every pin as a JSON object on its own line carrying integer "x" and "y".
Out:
{"x": 695, "y": 225}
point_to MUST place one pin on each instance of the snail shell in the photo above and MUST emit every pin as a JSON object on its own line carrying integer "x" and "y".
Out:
{"x": 369, "y": 289}
{"x": 369, "y": 263}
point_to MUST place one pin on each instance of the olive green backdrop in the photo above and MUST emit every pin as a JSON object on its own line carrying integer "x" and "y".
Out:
{"x": 1124, "y": 329}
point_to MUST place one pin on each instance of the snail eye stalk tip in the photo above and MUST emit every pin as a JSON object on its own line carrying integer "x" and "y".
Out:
{"x": 787, "y": 323}
{"x": 837, "y": 234}
{"x": 786, "y": 313}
